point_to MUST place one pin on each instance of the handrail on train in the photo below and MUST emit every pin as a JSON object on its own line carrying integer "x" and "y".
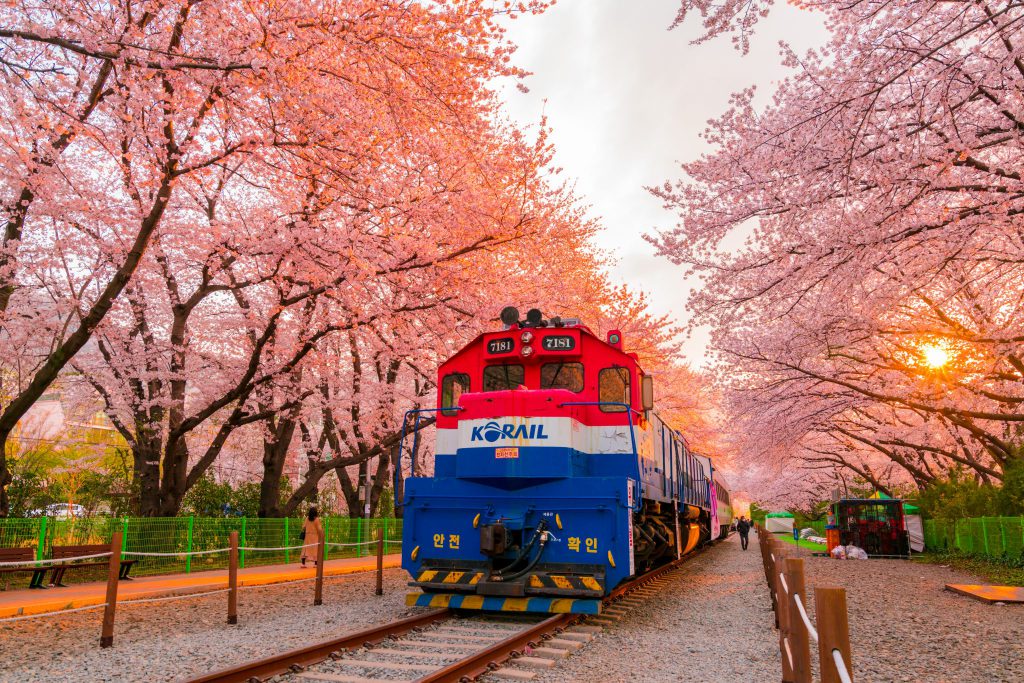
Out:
{"x": 415, "y": 445}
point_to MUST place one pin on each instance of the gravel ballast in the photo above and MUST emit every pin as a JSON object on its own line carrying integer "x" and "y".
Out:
{"x": 711, "y": 621}
{"x": 169, "y": 641}
{"x": 904, "y": 625}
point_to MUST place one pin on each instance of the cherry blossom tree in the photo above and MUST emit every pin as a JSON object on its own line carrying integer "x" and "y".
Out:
{"x": 859, "y": 241}
{"x": 114, "y": 115}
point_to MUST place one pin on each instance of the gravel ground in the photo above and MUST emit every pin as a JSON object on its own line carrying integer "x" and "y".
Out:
{"x": 712, "y": 621}
{"x": 904, "y": 626}
{"x": 173, "y": 640}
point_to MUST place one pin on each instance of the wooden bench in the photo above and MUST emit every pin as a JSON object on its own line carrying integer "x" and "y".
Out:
{"x": 65, "y": 551}
{"x": 23, "y": 555}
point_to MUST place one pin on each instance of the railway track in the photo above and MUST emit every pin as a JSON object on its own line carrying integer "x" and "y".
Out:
{"x": 441, "y": 646}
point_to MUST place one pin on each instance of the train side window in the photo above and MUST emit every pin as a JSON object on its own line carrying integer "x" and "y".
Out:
{"x": 503, "y": 377}
{"x": 562, "y": 376}
{"x": 452, "y": 387}
{"x": 613, "y": 387}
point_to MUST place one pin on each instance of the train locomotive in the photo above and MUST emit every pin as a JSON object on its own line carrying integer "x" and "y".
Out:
{"x": 554, "y": 478}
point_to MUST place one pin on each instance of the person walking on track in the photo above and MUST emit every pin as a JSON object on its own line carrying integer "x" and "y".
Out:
{"x": 743, "y": 526}
{"x": 312, "y": 530}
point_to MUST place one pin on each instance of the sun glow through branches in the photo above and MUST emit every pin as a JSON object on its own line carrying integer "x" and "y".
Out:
{"x": 935, "y": 356}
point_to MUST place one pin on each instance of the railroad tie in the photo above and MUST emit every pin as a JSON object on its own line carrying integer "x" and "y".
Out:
{"x": 549, "y": 652}
{"x": 536, "y": 662}
{"x": 564, "y": 644}
{"x": 413, "y": 653}
{"x": 584, "y": 628}
{"x": 342, "y": 678}
{"x": 513, "y": 674}
{"x": 394, "y": 666}
{"x": 577, "y": 637}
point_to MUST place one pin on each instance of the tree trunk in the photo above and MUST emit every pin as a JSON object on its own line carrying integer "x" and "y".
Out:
{"x": 275, "y": 453}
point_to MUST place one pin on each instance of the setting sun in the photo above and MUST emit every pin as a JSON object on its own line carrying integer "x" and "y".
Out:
{"x": 935, "y": 356}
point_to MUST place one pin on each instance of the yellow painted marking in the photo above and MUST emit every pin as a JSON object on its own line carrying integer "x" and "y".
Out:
{"x": 411, "y": 598}
{"x": 476, "y": 521}
{"x": 415, "y": 552}
{"x": 562, "y": 582}
{"x": 611, "y": 560}
{"x": 558, "y": 520}
{"x": 591, "y": 583}
{"x": 535, "y": 582}
{"x": 440, "y": 600}
{"x": 515, "y": 604}
{"x": 473, "y": 602}
{"x": 476, "y": 578}
{"x": 427, "y": 575}
{"x": 562, "y": 605}
{"x": 453, "y": 577}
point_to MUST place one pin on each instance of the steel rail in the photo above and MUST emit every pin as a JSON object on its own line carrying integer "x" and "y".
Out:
{"x": 314, "y": 654}
{"x": 469, "y": 668}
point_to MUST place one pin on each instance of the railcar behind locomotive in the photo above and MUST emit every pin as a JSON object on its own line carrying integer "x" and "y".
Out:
{"x": 554, "y": 478}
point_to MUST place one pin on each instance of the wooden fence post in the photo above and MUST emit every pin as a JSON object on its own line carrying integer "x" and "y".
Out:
{"x": 782, "y": 616}
{"x": 380, "y": 562}
{"x": 233, "y": 578}
{"x": 833, "y": 632}
{"x": 107, "y": 634}
{"x": 318, "y": 593}
{"x": 799, "y": 636}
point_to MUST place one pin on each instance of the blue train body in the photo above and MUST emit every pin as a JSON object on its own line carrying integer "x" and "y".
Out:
{"x": 553, "y": 479}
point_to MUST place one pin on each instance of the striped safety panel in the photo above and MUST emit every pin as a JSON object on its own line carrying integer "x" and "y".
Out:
{"x": 585, "y": 584}
{"x": 452, "y": 578}
{"x": 492, "y": 603}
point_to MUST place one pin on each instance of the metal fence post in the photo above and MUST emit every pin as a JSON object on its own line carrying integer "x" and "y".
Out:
{"x": 359, "y": 536}
{"x": 327, "y": 548}
{"x": 113, "y": 571}
{"x": 287, "y": 553}
{"x": 124, "y": 534}
{"x": 188, "y": 545}
{"x": 984, "y": 535}
{"x": 42, "y": 538}
{"x": 241, "y": 556}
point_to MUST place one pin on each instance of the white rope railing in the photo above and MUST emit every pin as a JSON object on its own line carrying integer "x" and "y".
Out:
{"x": 785, "y": 586}
{"x": 789, "y": 653}
{"x": 135, "y": 553}
{"x": 803, "y": 615}
{"x": 350, "y": 545}
{"x": 841, "y": 669}
{"x": 287, "y": 547}
{"x": 180, "y": 596}
{"x": 51, "y": 614}
{"x": 59, "y": 560}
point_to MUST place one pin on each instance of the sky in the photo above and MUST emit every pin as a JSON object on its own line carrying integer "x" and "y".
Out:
{"x": 627, "y": 100}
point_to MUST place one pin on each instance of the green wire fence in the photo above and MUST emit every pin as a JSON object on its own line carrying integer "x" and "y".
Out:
{"x": 196, "y": 534}
{"x": 993, "y": 537}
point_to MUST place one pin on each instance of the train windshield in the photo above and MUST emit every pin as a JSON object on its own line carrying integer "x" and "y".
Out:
{"x": 503, "y": 377}
{"x": 562, "y": 376}
{"x": 613, "y": 384}
{"x": 453, "y": 386}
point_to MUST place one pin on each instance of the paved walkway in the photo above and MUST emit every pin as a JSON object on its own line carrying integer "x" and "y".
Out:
{"x": 25, "y": 601}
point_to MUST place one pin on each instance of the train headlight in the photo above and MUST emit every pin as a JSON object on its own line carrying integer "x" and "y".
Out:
{"x": 527, "y": 351}
{"x": 526, "y": 337}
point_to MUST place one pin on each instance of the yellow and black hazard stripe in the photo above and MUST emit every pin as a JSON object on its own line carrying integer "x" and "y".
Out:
{"x": 564, "y": 584}
{"x": 448, "y": 579}
{"x": 493, "y": 603}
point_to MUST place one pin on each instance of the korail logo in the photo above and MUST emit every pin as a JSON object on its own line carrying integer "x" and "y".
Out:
{"x": 493, "y": 431}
